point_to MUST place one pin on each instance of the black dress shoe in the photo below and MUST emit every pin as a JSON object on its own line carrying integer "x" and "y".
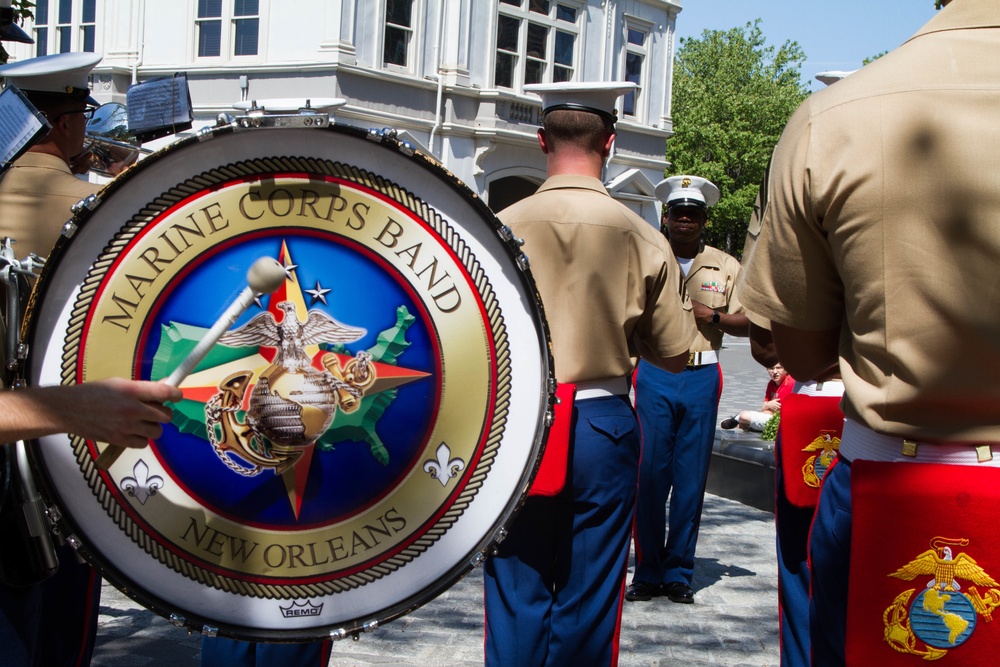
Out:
{"x": 678, "y": 592}
{"x": 729, "y": 422}
{"x": 640, "y": 591}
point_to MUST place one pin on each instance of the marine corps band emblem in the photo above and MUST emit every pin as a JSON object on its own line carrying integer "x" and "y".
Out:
{"x": 943, "y": 614}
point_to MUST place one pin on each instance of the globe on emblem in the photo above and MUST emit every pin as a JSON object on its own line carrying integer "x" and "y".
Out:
{"x": 823, "y": 462}
{"x": 942, "y": 619}
{"x": 293, "y": 407}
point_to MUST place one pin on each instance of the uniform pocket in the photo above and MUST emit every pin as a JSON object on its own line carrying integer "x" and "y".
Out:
{"x": 614, "y": 427}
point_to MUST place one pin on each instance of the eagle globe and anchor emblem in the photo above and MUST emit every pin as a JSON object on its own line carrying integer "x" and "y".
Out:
{"x": 292, "y": 403}
{"x": 826, "y": 446}
{"x": 942, "y": 615}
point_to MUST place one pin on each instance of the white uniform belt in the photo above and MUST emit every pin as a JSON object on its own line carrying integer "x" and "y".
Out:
{"x": 702, "y": 358}
{"x": 825, "y": 388}
{"x": 861, "y": 443}
{"x": 601, "y": 388}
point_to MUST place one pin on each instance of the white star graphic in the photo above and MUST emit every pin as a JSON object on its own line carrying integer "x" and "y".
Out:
{"x": 318, "y": 293}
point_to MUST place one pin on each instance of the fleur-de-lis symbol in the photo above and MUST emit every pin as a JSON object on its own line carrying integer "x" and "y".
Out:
{"x": 142, "y": 486}
{"x": 445, "y": 467}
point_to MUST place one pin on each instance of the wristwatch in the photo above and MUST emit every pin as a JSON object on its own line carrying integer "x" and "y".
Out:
{"x": 715, "y": 317}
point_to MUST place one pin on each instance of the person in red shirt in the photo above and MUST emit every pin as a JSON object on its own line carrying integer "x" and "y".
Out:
{"x": 778, "y": 387}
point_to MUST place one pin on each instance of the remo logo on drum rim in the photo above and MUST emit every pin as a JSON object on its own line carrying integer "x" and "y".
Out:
{"x": 325, "y": 467}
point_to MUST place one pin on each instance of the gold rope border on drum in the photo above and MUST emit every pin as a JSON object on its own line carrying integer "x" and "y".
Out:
{"x": 306, "y": 165}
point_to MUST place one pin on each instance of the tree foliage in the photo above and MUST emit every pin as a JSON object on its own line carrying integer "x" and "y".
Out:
{"x": 872, "y": 59}
{"x": 732, "y": 95}
{"x": 22, "y": 10}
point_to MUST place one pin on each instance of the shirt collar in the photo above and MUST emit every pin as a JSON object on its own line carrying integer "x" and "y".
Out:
{"x": 574, "y": 181}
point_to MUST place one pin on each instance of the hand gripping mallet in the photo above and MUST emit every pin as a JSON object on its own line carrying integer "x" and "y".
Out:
{"x": 264, "y": 277}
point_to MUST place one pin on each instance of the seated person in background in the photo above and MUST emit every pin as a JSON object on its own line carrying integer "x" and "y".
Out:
{"x": 778, "y": 387}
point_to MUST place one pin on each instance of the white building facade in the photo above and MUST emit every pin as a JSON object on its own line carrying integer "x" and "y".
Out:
{"x": 447, "y": 74}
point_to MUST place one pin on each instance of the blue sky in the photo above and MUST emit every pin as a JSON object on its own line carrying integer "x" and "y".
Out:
{"x": 835, "y": 34}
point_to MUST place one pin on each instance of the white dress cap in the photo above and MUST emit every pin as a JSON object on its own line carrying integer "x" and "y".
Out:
{"x": 692, "y": 190}
{"x": 594, "y": 96}
{"x": 60, "y": 73}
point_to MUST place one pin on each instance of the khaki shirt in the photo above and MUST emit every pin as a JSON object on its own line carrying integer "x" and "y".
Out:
{"x": 711, "y": 280}
{"x": 883, "y": 218}
{"x": 36, "y": 194}
{"x": 607, "y": 279}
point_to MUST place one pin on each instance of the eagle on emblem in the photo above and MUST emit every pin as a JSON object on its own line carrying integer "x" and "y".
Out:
{"x": 944, "y": 567}
{"x": 291, "y": 336}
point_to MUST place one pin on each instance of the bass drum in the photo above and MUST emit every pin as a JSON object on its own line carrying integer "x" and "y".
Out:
{"x": 356, "y": 442}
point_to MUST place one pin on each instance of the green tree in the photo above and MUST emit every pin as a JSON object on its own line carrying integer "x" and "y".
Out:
{"x": 22, "y": 10}
{"x": 732, "y": 95}
{"x": 872, "y": 59}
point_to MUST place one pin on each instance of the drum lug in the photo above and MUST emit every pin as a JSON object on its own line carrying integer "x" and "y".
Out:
{"x": 522, "y": 262}
{"x": 89, "y": 203}
{"x": 177, "y": 619}
{"x": 507, "y": 235}
{"x": 501, "y": 535}
{"x": 53, "y": 514}
{"x": 370, "y": 626}
{"x": 477, "y": 560}
{"x": 338, "y": 634}
{"x": 206, "y": 630}
{"x": 69, "y": 229}
{"x": 389, "y": 134}
{"x": 206, "y": 133}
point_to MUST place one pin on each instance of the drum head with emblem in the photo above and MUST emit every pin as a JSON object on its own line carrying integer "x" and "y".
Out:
{"x": 354, "y": 442}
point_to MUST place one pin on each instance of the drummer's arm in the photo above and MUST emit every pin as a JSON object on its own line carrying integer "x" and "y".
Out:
{"x": 123, "y": 412}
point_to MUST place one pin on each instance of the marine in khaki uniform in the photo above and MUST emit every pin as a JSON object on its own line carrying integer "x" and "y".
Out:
{"x": 878, "y": 251}
{"x": 53, "y": 622}
{"x": 36, "y": 193}
{"x": 610, "y": 288}
{"x": 678, "y": 412}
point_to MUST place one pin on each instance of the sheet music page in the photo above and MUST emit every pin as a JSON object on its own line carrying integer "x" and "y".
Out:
{"x": 159, "y": 106}
{"x": 19, "y": 125}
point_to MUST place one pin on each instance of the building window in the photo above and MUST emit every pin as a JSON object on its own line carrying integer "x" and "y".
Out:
{"x": 635, "y": 59}
{"x": 209, "y": 24}
{"x": 70, "y": 24}
{"x": 246, "y": 23}
{"x": 240, "y": 30}
{"x": 88, "y": 23}
{"x": 536, "y": 42}
{"x": 64, "y": 27}
{"x": 42, "y": 28}
{"x": 398, "y": 33}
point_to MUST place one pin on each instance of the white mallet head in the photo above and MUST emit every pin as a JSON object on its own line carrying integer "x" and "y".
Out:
{"x": 265, "y": 275}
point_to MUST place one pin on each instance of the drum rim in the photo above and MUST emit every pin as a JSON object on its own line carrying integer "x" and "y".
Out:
{"x": 190, "y": 619}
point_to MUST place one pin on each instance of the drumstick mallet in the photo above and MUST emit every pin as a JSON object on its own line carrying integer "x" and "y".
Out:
{"x": 264, "y": 277}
